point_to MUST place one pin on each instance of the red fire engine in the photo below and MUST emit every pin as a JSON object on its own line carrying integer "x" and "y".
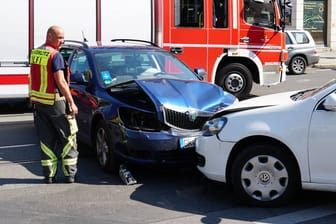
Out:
{"x": 237, "y": 42}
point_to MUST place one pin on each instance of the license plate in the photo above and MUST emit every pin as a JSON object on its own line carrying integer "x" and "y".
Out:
{"x": 188, "y": 142}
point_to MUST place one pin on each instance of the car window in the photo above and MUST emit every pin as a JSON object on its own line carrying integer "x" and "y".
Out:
{"x": 79, "y": 64}
{"x": 300, "y": 37}
{"x": 119, "y": 66}
{"x": 259, "y": 14}
{"x": 189, "y": 13}
{"x": 288, "y": 40}
{"x": 66, "y": 52}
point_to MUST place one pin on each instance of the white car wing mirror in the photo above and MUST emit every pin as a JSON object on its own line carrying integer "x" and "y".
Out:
{"x": 330, "y": 102}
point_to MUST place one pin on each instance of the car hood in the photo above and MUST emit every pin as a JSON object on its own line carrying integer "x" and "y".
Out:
{"x": 186, "y": 94}
{"x": 259, "y": 102}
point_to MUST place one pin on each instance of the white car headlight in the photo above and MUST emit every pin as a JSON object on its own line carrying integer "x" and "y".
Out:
{"x": 213, "y": 127}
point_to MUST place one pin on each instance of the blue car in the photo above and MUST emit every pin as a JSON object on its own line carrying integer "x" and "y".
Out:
{"x": 138, "y": 103}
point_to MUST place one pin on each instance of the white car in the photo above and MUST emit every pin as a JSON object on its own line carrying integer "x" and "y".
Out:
{"x": 269, "y": 147}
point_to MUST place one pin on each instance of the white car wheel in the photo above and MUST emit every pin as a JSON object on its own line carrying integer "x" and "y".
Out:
{"x": 264, "y": 175}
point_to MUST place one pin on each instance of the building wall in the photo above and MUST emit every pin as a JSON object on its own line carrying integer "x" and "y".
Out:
{"x": 297, "y": 15}
{"x": 331, "y": 27}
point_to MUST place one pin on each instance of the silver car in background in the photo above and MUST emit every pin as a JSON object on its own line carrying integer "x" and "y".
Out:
{"x": 302, "y": 51}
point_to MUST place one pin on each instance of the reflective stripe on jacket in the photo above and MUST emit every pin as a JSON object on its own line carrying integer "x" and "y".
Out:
{"x": 42, "y": 86}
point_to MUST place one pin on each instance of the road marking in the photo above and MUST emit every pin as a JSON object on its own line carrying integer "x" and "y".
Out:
{"x": 17, "y": 146}
{"x": 303, "y": 80}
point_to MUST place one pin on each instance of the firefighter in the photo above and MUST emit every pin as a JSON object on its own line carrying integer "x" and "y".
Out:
{"x": 54, "y": 108}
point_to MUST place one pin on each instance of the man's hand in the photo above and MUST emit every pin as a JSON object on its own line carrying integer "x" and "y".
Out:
{"x": 73, "y": 109}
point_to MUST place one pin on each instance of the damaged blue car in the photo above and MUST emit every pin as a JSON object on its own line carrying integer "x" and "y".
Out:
{"x": 138, "y": 103}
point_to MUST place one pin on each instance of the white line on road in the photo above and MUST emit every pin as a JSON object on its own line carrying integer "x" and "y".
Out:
{"x": 17, "y": 146}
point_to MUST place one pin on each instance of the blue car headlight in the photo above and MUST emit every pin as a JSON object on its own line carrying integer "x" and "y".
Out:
{"x": 214, "y": 126}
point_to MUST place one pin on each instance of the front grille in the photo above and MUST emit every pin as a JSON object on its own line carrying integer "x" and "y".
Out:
{"x": 185, "y": 120}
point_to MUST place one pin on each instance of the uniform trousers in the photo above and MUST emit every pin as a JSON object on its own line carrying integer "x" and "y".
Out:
{"x": 56, "y": 140}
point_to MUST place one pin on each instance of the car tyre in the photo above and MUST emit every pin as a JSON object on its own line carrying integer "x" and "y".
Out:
{"x": 236, "y": 79}
{"x": 264, "y": 175}
{"x": 104, "y": 148}
{"x": 297, "y": 65}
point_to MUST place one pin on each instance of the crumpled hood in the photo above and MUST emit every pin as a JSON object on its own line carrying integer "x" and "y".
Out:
{"x": 271, "y": 100}
{"x": 186, "y": 93}
{"x": 267, "y": 100}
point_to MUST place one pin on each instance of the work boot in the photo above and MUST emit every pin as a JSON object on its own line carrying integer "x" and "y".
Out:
{"x": 126, "y": 176}
{"x": 49, "y": 180}
{"x": 70, "y": 179}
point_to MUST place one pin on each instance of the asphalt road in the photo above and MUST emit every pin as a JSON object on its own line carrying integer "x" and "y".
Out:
{"x": 313, "y": 78}
{"x": 161, "y": 195}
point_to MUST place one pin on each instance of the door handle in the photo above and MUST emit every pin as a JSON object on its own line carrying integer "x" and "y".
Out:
{"x": 176, "y": 50}
{"x": 245, "y": 39}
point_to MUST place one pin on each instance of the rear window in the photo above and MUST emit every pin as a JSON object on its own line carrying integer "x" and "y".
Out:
{"x": 300, "y": 37}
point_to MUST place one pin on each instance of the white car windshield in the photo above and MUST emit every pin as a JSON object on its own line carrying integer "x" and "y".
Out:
{"x": 311, "y": 92}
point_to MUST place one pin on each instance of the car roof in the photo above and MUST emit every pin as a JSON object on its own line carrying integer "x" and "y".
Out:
{"x": 296, "y": 30}
{"x": 113, "y": 44}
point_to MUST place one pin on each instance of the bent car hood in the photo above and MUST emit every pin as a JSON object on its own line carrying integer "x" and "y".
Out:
{"x": 258, "y": 102}
{"x": 188, "y": 94}
{"x": 267, "y": 100}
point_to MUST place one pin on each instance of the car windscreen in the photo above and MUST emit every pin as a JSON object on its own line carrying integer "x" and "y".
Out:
{"x": 120, "y": 66}
{"x": 311, "y": 92}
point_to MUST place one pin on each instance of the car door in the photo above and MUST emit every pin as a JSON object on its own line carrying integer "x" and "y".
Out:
{"x": 82, "y": 92}
{"x": 322, "y": 145}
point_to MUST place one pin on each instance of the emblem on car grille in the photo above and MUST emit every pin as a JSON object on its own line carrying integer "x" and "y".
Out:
{"x": 191, "y": 115}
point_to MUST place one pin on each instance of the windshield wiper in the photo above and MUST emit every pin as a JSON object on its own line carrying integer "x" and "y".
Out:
{"x": 122, "y": 85}
{"x": 300, "y": 94}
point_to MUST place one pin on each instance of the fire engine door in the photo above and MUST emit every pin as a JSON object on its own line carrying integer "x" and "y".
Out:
{"x": 258, "y": 30}
{"x": 185, "y": 33}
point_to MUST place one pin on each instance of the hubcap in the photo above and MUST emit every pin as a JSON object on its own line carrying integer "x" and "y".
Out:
{"x": 264, "y": 178}
{"x": 298, "y": 66}
{"x": 234, "y": 82}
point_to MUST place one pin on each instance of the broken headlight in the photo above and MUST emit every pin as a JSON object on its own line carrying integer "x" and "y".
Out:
{"x": 139, "y": 120}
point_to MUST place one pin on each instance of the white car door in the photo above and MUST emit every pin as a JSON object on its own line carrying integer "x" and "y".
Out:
{"x": 322, "y": 145}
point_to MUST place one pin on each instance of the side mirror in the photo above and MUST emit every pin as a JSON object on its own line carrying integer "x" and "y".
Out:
{"x": 288, "y": 3}
{"x": 200, "y": 72}
{"x": 78, "y": 78}
{"x": 330, "y": 102}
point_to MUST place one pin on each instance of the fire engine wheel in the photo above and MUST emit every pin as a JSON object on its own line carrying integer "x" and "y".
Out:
{"x": 297, "y": 65}
{"x": 235, "y": 78}
{"x": 104, "y": 148}
{"x": 263, "y": 174}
